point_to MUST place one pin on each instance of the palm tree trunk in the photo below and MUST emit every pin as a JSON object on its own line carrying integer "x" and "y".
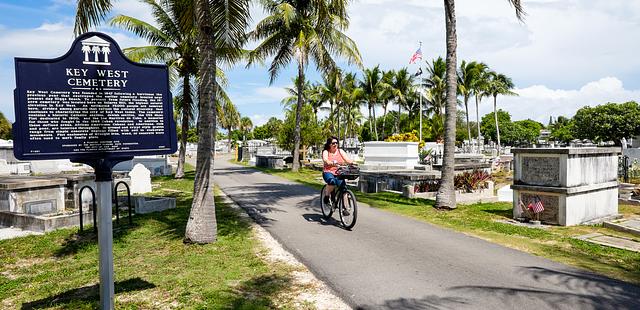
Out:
{"x": 296, "y": 133}
{"x": 202, "y": 226}
{"x": 333, "y": 124}
{"x": 495, "y": 116}
{"x": 186, "y": 113}
{"x": 229, "y": 138}
{"x": 445, "y": 197}
{"x": 370, "y": 120}
{"x": 338, "y": 119}
{"x": 398, "y": 118}
{"x": 384, "y": 120}
{"x": 466, "y": 113}
{"x": 375, "y": 123}
{"x": 478, "y": 120}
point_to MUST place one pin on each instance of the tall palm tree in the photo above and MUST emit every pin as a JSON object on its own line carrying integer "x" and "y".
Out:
{"x": 387, "y": 95}
{"x": 478, "y": 87}
{"x": 304, "y": 31}
{"x": 173, "y": 42}
{"x": 466, "y": 77}
{"x": 402, "y": 90}
{"x": 445, "y": 197}
{"x": 372, "y": 86}
{"x": 331, "y": 92}
{"x": 498, "y": 84}
{"x": 316, "y": 98}
{"x": 221, "y": 28}
{"x": 245, "y": 127}
{"x": 352, "y": 97}
{"x": 229, "y": 119}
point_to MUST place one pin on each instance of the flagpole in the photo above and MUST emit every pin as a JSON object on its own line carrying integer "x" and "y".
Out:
{"x": 420, "y": 96}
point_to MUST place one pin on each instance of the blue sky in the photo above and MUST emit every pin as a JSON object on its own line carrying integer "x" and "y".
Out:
{"x": 567, "y": 54}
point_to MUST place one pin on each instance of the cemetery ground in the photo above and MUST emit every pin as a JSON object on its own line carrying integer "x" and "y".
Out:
{"x": 487, "y": 221}
{"x": 153, "y": 268}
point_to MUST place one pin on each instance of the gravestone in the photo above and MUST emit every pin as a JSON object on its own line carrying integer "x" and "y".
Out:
{"x": 4, "y": 168}
{"x": 140, "y": 179}
{"x": 575, "y": 185}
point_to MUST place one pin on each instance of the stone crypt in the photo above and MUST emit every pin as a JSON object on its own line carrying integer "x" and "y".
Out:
{"x": 575, "y": 185}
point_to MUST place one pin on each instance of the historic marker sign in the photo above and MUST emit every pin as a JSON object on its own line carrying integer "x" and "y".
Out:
{"x": 92, "y": 103}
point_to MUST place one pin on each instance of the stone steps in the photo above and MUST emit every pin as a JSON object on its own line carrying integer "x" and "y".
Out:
{"x": 611, "y": 241}
{"x": 628, "y": 225}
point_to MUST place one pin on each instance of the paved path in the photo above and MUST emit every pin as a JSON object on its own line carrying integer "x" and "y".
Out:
{"x": 393, "y": 262}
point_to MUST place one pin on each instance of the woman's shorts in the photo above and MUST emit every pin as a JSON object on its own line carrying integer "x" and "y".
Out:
{"x": 331, "y": 179}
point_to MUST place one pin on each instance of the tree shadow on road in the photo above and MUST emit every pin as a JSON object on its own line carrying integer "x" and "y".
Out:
{"x": 552, "y": 289}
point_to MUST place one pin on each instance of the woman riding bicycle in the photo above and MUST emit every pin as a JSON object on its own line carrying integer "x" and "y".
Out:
{"x": 333, "y": 156}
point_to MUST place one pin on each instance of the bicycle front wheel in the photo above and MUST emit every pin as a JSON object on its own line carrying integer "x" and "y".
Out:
{"x": 348, "y": 209}
{"x": 327, "y": 208}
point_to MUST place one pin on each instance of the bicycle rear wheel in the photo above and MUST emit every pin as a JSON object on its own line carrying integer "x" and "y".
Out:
{"x": 348, "y": 209}
{"x": 327, "y": 209}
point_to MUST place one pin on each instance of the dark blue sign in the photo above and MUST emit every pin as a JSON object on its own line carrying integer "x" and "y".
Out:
{"x": 92, "y": 103}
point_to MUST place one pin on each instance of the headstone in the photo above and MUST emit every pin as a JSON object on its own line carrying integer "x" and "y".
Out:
{"x": 4, "y": 168}
{"x": 140, "y": 179}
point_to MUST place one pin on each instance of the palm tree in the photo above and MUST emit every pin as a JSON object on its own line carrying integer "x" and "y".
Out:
{"x": 229, "y": 119}
{"x": 221, "y": 32}
{"x": 445, "y": 197}
{"x": 352, "y": 97}
{"x": 245, "y": 127}
{"x": 332, "y": 91}
{"x": 478, "y": 87}
{"x": 498, "y": 84}
{"x": 402, "y": 90}
{"x": 466, "y": 78}
{"x": 316, "y": 98}
{"x": 372, "y": 86}
{"x": 173, "y": 42}
{"x": 387, "y": 95}
{"x": 304, "y": 31}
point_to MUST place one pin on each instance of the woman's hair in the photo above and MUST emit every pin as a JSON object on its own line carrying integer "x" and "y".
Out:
{"x": 327, "y": 145}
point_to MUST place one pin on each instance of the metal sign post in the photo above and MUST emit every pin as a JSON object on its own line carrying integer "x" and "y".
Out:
{"x": 93, "y": 106}
{"x": 105, "y": 244}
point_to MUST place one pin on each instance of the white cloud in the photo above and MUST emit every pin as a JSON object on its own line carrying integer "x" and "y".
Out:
{"x": 134, "y": 8}
{"x": 538, "y": 102}
{"x": 261, "y": 119}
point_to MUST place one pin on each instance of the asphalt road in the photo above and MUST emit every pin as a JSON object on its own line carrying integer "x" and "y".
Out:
{"x": 393, "y": 262}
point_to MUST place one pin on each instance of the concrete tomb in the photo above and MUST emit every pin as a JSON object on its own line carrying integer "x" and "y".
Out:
{"x": 144, "y": 205}
{"x": 270, "y": 161}
{"x": 36, "y": 203}
{"x": 381, "y": 155}
{"x": 575, "y": 185}
{"x": 140, "y": 179}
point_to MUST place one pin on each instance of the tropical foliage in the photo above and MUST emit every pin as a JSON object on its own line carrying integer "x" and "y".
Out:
{"x": 303, "y": 31}
{"x": 607, "y": 122}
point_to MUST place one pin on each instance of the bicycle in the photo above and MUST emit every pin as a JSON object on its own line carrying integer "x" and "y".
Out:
{"x": 348, "y": 209}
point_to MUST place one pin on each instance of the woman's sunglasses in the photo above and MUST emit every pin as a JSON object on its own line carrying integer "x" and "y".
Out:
{"x": 334, "y": 143}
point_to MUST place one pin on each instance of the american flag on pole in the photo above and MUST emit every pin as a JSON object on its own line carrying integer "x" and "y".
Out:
{"x": 416, "y": 56}
{"x": 536, "y": 206}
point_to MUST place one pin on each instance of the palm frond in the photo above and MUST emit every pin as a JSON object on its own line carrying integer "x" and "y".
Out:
{"x": 90, "y": 13}
{"x": 144, "y": 30}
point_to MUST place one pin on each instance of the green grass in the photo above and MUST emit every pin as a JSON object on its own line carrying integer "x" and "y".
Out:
{"x": 482, "y": 220}
{"x": 153, "y": 267}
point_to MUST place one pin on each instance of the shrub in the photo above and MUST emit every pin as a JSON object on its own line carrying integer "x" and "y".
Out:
{"x": 470, "y": 181}
{"x": 406, "y": 137}
{"x": 426, "y": 186}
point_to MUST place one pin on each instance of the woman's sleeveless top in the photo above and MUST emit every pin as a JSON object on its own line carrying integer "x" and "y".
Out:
{"x": 333, "y": 157}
